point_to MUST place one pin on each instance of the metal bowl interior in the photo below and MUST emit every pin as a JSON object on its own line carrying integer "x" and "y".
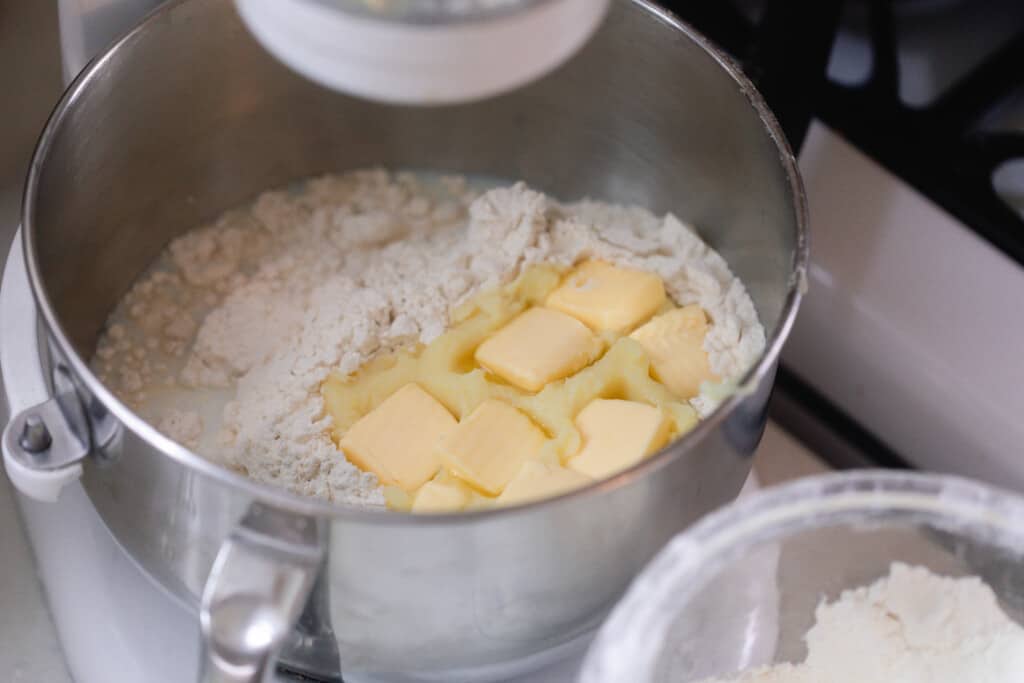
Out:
{"x": 187, "y": 116}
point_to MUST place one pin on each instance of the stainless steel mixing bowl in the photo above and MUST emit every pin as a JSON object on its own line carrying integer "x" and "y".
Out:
{"x": 186, "y": 117}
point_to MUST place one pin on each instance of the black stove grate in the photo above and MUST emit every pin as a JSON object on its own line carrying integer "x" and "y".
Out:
{"x": 939, "y": 148}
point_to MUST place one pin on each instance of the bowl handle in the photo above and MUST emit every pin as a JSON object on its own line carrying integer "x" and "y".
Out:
{"x": 259, "y": 584}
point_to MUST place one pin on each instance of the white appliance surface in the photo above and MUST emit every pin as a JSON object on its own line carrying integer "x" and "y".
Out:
{"x": 912, "y": 324}
{"x": 29, "y": 651}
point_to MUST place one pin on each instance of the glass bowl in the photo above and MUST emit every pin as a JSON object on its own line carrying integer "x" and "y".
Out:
{"x": 739, "y": 589}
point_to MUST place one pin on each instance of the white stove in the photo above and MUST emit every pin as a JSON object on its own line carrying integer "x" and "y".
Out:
{"x": 912, "y": 327}
{"x": 913, "y": 323}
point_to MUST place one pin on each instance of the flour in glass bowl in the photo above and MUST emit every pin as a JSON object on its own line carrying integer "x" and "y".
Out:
{"x": 223, "y": 344}
{"x": 911, "y": 626}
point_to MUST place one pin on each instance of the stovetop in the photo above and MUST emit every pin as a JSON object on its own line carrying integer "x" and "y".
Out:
{"x": 931, "y": 89}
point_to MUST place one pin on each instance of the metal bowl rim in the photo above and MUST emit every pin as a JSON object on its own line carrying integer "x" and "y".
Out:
{"x": 286, "y": 500}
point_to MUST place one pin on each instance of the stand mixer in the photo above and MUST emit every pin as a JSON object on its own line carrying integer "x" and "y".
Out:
{"x": 648, "y": 113}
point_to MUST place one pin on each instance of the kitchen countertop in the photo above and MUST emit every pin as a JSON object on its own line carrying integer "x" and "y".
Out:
{"x": 28, "y": 643}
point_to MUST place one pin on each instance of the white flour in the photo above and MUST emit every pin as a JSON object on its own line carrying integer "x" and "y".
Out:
{"x": 224, "y": 344}
{"x": 910, "y": 627}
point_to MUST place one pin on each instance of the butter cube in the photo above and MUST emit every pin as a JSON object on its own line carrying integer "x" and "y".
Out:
{"x": 536, "y": 480}
{"x": 437, "y": 496}
{"x": 617, "y": 434}
{"x": 607, "y": 297}
{"x": 674, "y": 342}
{"x": 490, "y": 446}
{"x": 398, "y": 439}
{"x": 539, "y": 346}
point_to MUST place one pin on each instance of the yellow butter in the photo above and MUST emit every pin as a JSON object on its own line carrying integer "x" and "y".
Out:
{"x": 398, "y": 439}
{"x": 448, "y": 372}
{"x": 617, "y": 434}
{"x": 441, "y": 496}
{"x": 674, "y": 341}
{"x": 536, "y": 480}
{"x": 397, "y": 498}
{"x": 539, "y": 346}
{"x": 445, "y": 368}
{"x": 609, "y": 298}
{"x": 625, "y": 373}
{"x": 489, "y": 447}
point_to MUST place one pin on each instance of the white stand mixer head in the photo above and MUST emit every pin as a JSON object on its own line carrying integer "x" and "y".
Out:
{"x": 379, "y": 54}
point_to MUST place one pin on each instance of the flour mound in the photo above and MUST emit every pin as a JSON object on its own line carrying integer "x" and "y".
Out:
{"x": 350, "y": 267}
{"x": 912, "y": 626}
